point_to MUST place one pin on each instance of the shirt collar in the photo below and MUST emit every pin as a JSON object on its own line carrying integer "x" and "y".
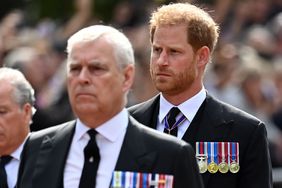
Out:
{"x": 111, "y": 129}
{"x": 17, "y": 153}
{"x": 188, "y": 108}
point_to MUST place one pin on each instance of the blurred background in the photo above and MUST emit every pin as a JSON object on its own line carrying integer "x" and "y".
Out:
{"x": 246, "y": 70}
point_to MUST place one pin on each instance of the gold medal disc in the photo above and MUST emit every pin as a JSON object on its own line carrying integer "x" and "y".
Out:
{"x": 212, "y": 167}
{"x": 223, "y": 167}
{"x": 234, "y": 167}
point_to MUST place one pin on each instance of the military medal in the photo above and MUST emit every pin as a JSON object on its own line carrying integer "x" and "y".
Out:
{"x": 126, "y": 179}
{"x": 201, "y": 156}
{"x": 212, "y": 157}
{"x": 234, "y": 157}
{"x": 176, "y": 124}
{"x": 223, "y": 156}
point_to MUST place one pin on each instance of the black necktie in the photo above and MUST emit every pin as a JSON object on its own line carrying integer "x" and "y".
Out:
{"x": 3, "y": 175}
{"x": 171, "y": 121}
{"x": 91, "y": 162}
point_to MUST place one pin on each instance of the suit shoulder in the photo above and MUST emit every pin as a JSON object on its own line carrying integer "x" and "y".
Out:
{"x": 143, "y": 106}
{"x": 51, "y": 131}
{"x": 241, "y": 121}
{"x": 232, "y": 112}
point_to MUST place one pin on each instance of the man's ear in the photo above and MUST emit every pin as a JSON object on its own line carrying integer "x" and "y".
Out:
{"x": 27, "y": 110}
{"x": 203, "y": 56}
{"x": 128, "y": 72}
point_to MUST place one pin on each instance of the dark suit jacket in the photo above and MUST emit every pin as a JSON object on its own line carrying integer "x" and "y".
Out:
{"x": 219, "y": 122}
{"x": 143, "y": 150}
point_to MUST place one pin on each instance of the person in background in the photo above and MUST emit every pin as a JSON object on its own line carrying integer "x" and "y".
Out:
{"x": 16, "y": 110}
{"x": 104, "y": 143}
{"x": 231, "y": 146}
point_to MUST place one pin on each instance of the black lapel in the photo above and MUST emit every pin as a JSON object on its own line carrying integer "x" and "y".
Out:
{"x": 51, "y": 159}
{"x": 209, "y": 124}
{"x": 147, "y": 112}
{"x": 134, "y": 155}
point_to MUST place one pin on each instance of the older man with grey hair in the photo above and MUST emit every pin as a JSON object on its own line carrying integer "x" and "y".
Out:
{"x": 16, "y": 109}
{"x": 104, "y": 143}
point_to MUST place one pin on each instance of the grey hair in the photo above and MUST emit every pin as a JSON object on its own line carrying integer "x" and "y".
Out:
{"x": 23, "y": 93}
{"x": 122, "y": 47}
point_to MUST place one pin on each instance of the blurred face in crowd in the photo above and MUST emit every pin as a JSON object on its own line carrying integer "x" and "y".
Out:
{"x": 175, "y": 67}
{"x": 97, "y": 86}
{"x": 14, "y": 120}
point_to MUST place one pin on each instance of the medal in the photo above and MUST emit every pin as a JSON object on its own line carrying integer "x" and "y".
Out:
{"x": 201, "y": 156}
{"x": 234, "y": 167}
{"x": 212, "y": 157}
{"x": 234, "y": 157}
{"x": 212, "y": 167}
{"x": 203, "y": 166}
{"x": 176, "y": 124}
{"x": 223, "y": 155}
{"x": 223, "y": 167}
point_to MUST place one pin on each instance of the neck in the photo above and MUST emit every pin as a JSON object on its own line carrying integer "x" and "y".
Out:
{"x": 178, "y": 98}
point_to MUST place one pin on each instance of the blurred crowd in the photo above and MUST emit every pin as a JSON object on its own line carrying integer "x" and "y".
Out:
{"x": 246, "y": 70}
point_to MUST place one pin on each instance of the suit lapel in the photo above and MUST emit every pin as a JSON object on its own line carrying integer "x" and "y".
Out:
{"x": 209, "y": 124}
{"x": 130, "y": 158}
{"x": 148, "y": 114}
{"x": 52, "y": 156}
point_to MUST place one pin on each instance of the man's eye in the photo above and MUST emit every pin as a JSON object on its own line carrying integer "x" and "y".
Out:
{"x": 97, "y": 70}
{"x": 74, "y": 69}
{"x": 157, "y": 50}
{"x": 174, "y": 51}
{"x": 3, "y": 112}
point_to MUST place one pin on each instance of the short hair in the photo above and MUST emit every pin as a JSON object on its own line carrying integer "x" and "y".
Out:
{"x": 23, "y": 93}
{"x": 201, "y": 28}
{"x": 122, "y": 47}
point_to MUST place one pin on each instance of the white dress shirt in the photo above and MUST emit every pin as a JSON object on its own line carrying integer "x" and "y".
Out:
{"x": 188, "y": 108}
{"x": 109, "y": 140}
{"x": 13, "y": 166}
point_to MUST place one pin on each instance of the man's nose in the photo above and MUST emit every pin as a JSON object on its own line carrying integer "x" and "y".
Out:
{"x": 84, "y": 75}
{"x": 163, "y": 58}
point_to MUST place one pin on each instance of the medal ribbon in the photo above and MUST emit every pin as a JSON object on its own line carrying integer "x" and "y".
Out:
{"x": 123, "y": 178}
{"x": 176, "y": 124}
{"x": 234, "y": 151}
{"x": 210, "y": 157}
{"x": 223, "y": 152}
{"x": 226, "y": 152}
{"x": 161, "y": 181}
{"x": 135, "y": 179}
{"x": 200, "y": 148}
{"x": 215, "y": 150}
{"x": 220, "y": 152}
{"x": 237, "y": 152}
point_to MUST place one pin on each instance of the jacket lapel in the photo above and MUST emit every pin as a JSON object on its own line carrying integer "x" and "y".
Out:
{"x": 134, "y": 156}
{"x": 52, "y": 156}
{"x": 148, "y": 113}
{"x": 209, "y": 124}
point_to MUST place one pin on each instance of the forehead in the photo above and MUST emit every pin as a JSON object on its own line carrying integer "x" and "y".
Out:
{"x": 6, "y": 89}
{"x": 99, "y": 48}
{"x": 5, "y": 86}
{"x": 171, "y": 34}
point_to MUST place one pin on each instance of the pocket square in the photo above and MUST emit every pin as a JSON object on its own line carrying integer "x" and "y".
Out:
{"x": 126, "y": 179}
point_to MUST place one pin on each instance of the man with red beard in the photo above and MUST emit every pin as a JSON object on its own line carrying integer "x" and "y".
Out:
{"x": 231, "y": 146}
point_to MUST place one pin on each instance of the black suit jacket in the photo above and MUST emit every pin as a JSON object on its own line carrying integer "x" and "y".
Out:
{"x": 220, "y": 122}
{"x": 143, "y": 150}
